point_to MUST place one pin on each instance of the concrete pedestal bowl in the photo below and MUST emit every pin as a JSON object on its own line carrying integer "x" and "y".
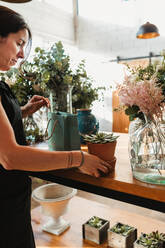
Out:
{"x": 54, "y": 199}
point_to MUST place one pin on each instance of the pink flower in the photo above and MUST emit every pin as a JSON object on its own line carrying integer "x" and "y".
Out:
{"x": 146, "y": 94}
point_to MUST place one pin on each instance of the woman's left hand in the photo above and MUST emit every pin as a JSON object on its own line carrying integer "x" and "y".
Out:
{"x": 34, "y": 104}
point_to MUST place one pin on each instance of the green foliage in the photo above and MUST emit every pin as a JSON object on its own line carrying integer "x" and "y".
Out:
{"x": 152, "y": 240}
{"x": 51, "y": 70}
{"x": 122, "y": 229}
{"x": 95, "y": 222}
{"x": 100, "y": 138}
{"x": 133, "y": 112}
{"x": 22, "y": 87}
{"x": 157, "y": 235}
{"x": 144, "y": 73}
{"x": 83, "y": 92}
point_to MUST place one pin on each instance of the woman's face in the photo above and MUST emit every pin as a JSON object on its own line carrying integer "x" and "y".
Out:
{"x": 12, "y": 49}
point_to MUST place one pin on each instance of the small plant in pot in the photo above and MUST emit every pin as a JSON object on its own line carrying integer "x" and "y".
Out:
{"x": 95, "y": 230}
{"x": 102, "y": 145}
{"x": 151, "y": 240}
{"x": 122, "y": 236}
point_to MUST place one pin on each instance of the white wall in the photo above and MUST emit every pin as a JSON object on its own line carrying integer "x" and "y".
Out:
{"x": 46, "y": 20}
{"x": 50, "y": 24}
{"x": 109, "y": 27}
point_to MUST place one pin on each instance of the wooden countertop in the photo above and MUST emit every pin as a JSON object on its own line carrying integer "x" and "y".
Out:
{"x": 118, "y": 185}
{"x": 79, "y": 211}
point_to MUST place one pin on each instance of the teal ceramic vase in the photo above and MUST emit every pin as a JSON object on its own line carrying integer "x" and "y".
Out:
{"x": 87, "y": 123}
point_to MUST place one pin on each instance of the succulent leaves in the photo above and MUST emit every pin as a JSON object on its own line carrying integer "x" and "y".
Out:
{"x": 100, "y": 137}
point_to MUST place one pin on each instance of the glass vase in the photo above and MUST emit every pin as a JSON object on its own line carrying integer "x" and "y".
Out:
{"x": 52, "y": 101}
{"x": 58, "y": 99}
{"x": 134, "y": 125}
{"x": 147, "y": 152}
{"x": 69, "y": 99}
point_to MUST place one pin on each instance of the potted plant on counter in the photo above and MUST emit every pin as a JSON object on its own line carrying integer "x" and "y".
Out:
{"x": 95, "y": 230}
{"x": 102, "y": 145}
{"x": 122, "y": 236}
{"x": 151, "y": 240}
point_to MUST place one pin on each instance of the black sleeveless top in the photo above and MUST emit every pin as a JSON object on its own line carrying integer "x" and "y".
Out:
{"x": 15, "y": 185}
{"x": 12, "y": 181}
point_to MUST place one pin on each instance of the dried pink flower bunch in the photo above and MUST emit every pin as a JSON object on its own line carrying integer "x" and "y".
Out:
{"x": 146, "y": 94}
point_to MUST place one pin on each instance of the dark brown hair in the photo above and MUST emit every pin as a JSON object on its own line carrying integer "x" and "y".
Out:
{"x": 12, "y": 22}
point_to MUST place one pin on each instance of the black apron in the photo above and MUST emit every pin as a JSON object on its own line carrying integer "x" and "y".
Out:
{"x": 15, "y": 186}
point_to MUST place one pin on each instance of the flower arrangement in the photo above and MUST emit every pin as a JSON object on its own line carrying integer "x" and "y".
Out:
{"x": 143, "y": 91}
{"x": 142, "y": 96}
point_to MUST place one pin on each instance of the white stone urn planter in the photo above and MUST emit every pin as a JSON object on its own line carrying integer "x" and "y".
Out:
{"x": 54, "y": 199}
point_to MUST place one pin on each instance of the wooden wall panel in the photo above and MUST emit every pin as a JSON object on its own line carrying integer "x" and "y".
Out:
{"x": 120, "y": 119}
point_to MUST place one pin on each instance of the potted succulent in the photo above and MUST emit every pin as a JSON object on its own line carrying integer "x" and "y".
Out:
{"x": 121, "y": 236}
{"x": 103, "y": 145}
{"x": 151, "y": 240}
{"x": 95, "y": 229}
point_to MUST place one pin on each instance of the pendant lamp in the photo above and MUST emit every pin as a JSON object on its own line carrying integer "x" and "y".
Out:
{"x": 16, "y": 1}
{"x": 147, "y": 31}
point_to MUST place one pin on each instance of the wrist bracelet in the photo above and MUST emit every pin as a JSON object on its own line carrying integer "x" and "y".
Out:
{"x": 82, "y": 159}
{"x": 70, "y": 159}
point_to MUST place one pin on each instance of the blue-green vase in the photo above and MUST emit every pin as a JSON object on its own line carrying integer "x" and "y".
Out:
{"x": 87, "y": 123}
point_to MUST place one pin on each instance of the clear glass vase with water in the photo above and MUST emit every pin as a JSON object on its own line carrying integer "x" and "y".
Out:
{"x": 147, "y": 152}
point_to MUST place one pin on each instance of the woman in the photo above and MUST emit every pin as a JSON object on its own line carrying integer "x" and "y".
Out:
{"x": 15, "y": 157}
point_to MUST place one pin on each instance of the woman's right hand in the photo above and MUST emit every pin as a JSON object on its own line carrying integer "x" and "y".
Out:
{"x": 94, "y": 166}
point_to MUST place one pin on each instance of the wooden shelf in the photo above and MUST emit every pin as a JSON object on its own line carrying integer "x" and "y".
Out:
{"x": 79, "y": 211}
{"x": 119, "y": 185}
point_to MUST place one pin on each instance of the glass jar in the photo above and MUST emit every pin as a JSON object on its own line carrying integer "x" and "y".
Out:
{"x": 147, "y": 152}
